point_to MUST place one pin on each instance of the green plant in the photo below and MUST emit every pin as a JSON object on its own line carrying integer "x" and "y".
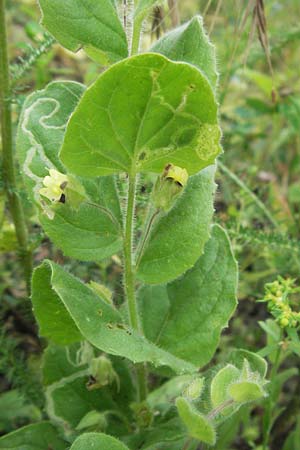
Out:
{"x": 282, "y": 343}
{"x": 8, "y": 175}
{"x": 153, "y": 115}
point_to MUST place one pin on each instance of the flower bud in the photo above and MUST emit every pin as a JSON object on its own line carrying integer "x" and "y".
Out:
{"x": 143, "y": 414}
{"x": 102, "y": 373}
{"x": 169, "y": 186}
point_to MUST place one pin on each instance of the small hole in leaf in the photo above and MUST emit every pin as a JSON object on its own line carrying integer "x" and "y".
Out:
{"x": 142, "y": 156}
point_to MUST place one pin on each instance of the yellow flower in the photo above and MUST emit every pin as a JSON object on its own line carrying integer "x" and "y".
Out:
{"x": 177, "y": 174}
{"x": 54, "y": 185}
{"x": 169, "y": 186}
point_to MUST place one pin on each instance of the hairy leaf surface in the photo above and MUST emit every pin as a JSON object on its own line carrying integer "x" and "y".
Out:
{"x": 68, "y": 311}
{"x": 89, "y": 233}
{"x": 191, "y": 44}
{"x": 90, "y": 24}
{"x": 141, "y": 114}
{"x": 38, "y": 436}
{"x": 97, "y": 441}
{"x": 178, "y": 238}
{"x": 187, "y": 315}
{"x": 199, "y": 426}
{"x": 144, "y": 7}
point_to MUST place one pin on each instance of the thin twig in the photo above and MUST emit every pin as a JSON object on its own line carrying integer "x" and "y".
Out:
{"x": 213, "y": 22}
{"x": 206, "y": 8}
{"x": 173, "y": 6}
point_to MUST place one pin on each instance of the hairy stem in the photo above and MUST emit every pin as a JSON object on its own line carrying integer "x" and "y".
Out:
{"x": 129, "y": 280}
{"x": 136, "y": 36}
{"x": 215, "y": 412}
{"x": 9, "y": 175}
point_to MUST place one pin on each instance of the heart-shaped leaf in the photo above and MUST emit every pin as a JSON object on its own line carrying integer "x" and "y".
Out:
{"x": 93, "y": 231}
{"x": 140, "y": 115}
{"x": 97, "y": 441}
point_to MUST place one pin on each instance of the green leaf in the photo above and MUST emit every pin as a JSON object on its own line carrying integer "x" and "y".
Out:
{"x": 229, "y": 429}
{"x": 68, "y": 311}
{"x": 162, "y": 433}
{"x": 69, "y": 400}
{"x": 199, "y": 426}
{"x": 220, "y": 385}
{"x": 178, "y": 238}
{"x": 256, "y": 362}
{"x": 187, "y": 315}
{"x": 169, "y": 390}
{"x": 88, "y": 24}
{"x": 281, "y": 378}
{"x": 41, "y": 130}
{"x": 89, "y": 233}
{"x": 140, "y": 115}
{"x": 66, "y": 372}
{"x": 144, "y": 7}
{"x": 190, "y": 43}
{"x": 39, "y": 436}
{"x": 14, "y": 406}
{"x": 60, "y": 362}
{"x": 245, "y": 391}
{"x": 292, "y": 441}
{"x": 273, "y": 332}
{"x": 97, "y": 441}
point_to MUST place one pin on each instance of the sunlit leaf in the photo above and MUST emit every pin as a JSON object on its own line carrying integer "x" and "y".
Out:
{"x": 69, "y": 311}
{"x": 178, "y": 237}
{"x": 90, "y": 24}
{"x": 141, "y": 114}
{"x": 92, "y": 231}
{"x": 190, "y": 43}
{"x": 187, "y": 315}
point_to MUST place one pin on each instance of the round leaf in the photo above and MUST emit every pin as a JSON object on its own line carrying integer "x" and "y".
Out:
{"x": 89, "y": 232}
{"x": 140, "y": 115}
{"x": 97, "y": 441}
